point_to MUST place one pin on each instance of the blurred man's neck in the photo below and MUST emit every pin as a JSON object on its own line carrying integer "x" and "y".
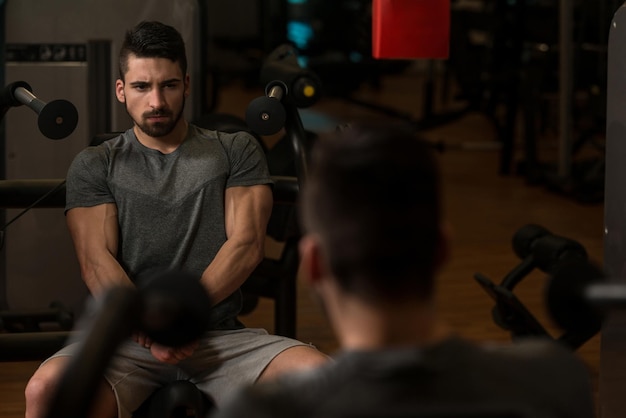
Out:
{"x": 361, "y": 326}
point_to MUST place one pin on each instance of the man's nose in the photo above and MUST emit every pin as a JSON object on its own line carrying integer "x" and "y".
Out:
{"x": 157, "y": 99}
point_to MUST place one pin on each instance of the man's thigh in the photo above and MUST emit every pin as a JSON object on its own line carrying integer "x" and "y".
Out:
{"x": 226, "y": 360}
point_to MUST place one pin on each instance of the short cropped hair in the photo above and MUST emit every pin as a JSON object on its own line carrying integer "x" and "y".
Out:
{"x": 372, "y": 195}
{"x": 150, "y": 39}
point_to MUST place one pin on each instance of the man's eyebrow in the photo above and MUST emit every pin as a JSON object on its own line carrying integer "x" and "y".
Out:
{"x": 169, "y": 81}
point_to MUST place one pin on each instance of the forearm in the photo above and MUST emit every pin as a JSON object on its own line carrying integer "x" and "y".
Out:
{"x": 102, "y": 273}
{"x": 94, "y": 231}
{"x": 247, "y": 210}
{"x": 230, "y": 268}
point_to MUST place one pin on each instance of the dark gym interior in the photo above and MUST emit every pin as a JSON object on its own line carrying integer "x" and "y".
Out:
{"x": 518, "y": 112}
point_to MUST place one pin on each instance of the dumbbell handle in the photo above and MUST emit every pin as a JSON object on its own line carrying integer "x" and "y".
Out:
{"x": 8, "y": 98}
{"x": 57, "y": 119}
{"x": 276, "y": 91}
{"x": 27, "y": 98}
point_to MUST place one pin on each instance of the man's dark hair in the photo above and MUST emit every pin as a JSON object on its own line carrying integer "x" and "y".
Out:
{"x": 151, "y": 39}
{"x": 372, "y": 195}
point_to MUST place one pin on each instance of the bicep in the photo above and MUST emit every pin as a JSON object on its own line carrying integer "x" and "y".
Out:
{"x": 93, "y": 229}
{"x": 247, "y": 211}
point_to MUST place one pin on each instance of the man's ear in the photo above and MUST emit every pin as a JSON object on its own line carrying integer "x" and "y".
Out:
{"x": 312, "y": 262}
{"x": 119, "y": 91}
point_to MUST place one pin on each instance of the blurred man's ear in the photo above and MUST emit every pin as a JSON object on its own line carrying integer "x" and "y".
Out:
{"x": 312, "y": 263}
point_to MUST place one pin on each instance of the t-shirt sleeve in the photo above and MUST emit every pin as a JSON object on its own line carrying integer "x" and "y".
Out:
{"x": 247, "y": 160}
{"x": 86, "y": 181}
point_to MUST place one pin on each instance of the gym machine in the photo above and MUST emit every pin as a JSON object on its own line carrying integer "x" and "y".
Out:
{"x": 288, "y": 87}
{"x": 56, "y": 120}
{"x": 613, "y": 340}
{"x": 560, "y": 258}
{"x": 577, "y": 92}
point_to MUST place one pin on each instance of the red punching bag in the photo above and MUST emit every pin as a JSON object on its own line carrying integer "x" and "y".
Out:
{"x": 410, "y": 28}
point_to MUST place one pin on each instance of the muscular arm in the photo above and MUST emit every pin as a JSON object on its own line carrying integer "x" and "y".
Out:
{"x": 94, "y": 231}
{"x": 247, "y": 211}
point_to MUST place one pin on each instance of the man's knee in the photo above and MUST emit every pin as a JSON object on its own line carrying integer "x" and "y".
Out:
{"x": 37, "y": 390}
{"x": 41, "y": 386}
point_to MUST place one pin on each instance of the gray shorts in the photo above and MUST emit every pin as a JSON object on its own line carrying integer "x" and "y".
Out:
{"x": 223, "y": 361}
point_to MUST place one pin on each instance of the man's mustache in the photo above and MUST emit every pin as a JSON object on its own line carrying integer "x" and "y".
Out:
{"x": 157, "y": 112}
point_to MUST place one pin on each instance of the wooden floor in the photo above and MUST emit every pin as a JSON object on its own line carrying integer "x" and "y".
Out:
{"x": 484, "y": 208}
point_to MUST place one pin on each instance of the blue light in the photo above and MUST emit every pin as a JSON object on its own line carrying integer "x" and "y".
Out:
{"x": 303, "y": 61}
{"x": 299, "y": 33}
{"x": 296, "y": 1}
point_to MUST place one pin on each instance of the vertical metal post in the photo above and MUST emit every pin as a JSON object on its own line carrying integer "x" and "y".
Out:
{"x": 99, "y": 88}
{"x": 612, "y": 372}
{"x": 295, "y": 130}
{"x": 204, "y": 38}
{"x": 566, "y": 84}
{"x": 3, "y": 269}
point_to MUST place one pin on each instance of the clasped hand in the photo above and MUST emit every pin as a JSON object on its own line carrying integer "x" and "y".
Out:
{"x": 165, "y": 354}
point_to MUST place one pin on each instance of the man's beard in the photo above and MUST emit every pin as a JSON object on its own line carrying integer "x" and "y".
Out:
{"x": 158, "y": 129}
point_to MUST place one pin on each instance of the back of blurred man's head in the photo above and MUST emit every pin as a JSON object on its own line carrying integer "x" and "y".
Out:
{"x": 372, "y": 197}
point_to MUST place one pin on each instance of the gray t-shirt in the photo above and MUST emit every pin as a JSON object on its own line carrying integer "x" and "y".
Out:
{"x": 170, "y": 206}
